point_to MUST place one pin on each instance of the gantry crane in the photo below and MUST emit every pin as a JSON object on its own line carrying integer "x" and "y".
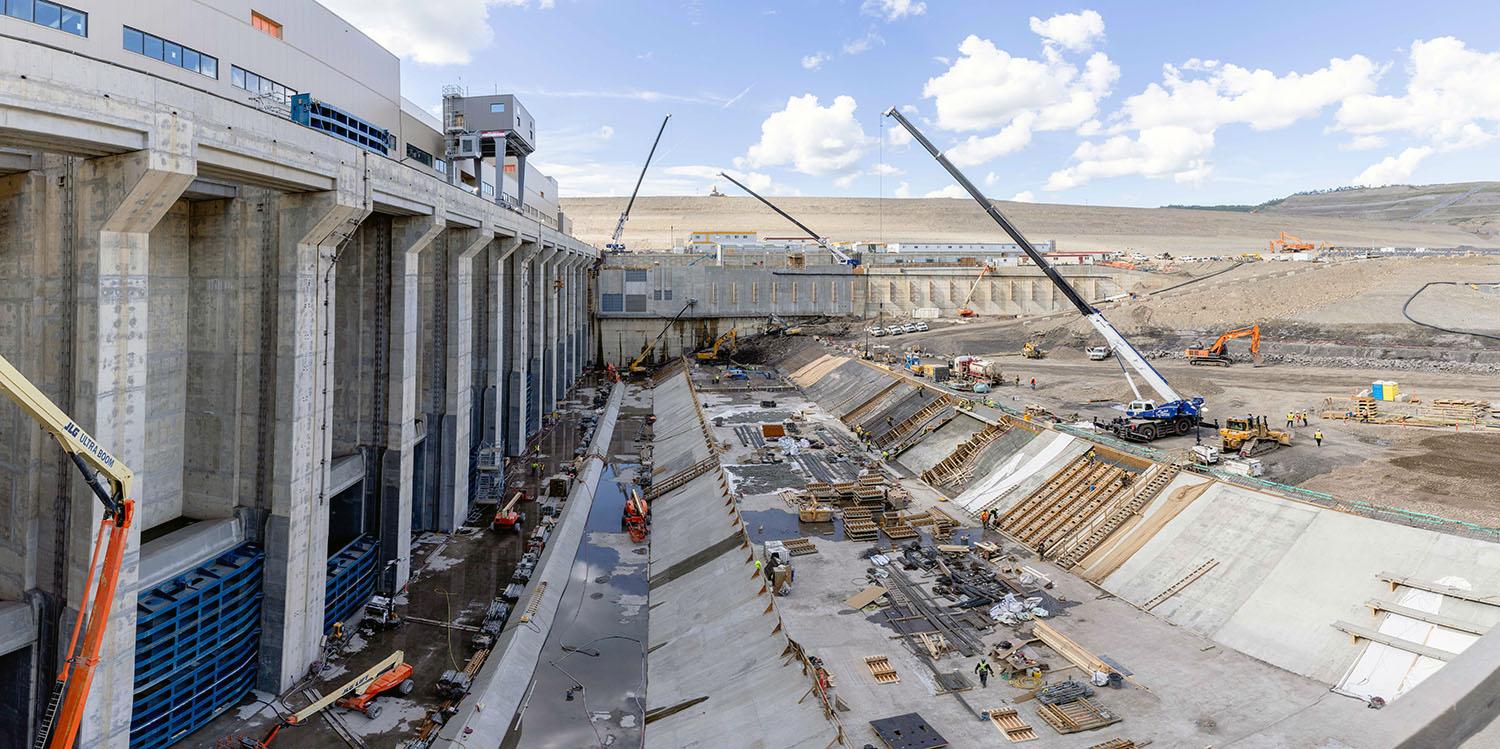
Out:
{"x": 110, "y": 481}
{"x": 823, "y": 242}
{"x": 1217, "y": 353}
{"x": 614, "y": 239}
{"x": 963, "y": 309}
{"x": 1145, "y": 419}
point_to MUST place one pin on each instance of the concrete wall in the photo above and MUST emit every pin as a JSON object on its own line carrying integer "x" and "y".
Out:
{"x": 237, "y": 306}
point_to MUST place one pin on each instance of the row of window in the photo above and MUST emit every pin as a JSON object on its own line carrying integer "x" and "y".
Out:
{"x": 170, "y": 52}
{"x": 613, "y": 302}
{"x": 48, "y": 14}
{"x": 259, "y": 84}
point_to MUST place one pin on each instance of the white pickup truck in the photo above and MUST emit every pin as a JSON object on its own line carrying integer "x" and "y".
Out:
{"x": 1098, "y": 353}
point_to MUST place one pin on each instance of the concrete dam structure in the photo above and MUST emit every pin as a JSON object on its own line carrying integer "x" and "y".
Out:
{"x": 304, "y": 348}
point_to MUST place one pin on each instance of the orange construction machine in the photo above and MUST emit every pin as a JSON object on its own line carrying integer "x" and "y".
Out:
{"x": 963, "y": 309}
{"x": 397, "y": 678}
{"x": 110, "y": 480}
{"x": 1289, "y": 243}
{"x": 391, "y": 672}
{"x": 637, "y": 517}
{"x": 507, "y": 518}
{"x": 1218, "y": 353}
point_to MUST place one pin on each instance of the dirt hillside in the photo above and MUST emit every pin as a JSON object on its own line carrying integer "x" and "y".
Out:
{"x": 656, "y": 221}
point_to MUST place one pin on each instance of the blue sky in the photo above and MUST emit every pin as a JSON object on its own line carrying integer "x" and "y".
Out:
{"x": 1055, "y": 102}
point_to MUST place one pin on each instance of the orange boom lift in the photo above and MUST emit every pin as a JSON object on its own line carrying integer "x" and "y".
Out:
{"x": 110, "y": 481}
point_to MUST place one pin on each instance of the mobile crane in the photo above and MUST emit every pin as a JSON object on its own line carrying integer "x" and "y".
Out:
{"x": 637, "y": 365}
{"x": 1218, "y": 352}
{"x": 840, "y": 255}
{"x": 110, "y": 480}
{"x": 1144, "y": 420}
{"x": 614, "y": 239}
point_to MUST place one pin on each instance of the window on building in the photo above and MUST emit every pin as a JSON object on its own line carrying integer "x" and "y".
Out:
{"x": 169, "y": 52}
{"x": 637, "y": 275}
{"x": 261, "y": 23}
{"x": 497, "y": 108}
{"x": 612, "y": 303}
{"x": 260, "y": 85}
{"x": 418, "y": 155}
{"x": 49, "y": 14}
{"x": 755, "y": 292}
{"x": 635, "y": 302}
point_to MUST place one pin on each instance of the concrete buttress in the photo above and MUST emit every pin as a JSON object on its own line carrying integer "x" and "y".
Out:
{"x": 313, "y": 228}
{"x": 409, "y": 238}
{"x": 519, "y": 347}
{"x": 453, "y": 496}
{"x": 120, "y": 200}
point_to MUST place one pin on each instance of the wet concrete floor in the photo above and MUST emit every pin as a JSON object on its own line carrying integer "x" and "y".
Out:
{"x": 454, "y": 579}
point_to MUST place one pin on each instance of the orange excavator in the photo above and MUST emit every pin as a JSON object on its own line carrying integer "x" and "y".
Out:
{"x": 1290, "y": 243}
{"x": 110, "y": 481}
{"x": 507, "y": 518}
{"x": 963, "y": 309}
{"x": 637, "y": 517}
{"x": 1217, "y": 354}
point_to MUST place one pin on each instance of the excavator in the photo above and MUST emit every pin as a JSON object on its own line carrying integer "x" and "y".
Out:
{"x": 711, "y": 353}
{"x": 1217, "y": 354}
{"x": 1144, "y": 420}
{"x": 1289, "y": 243}
{"x": 844, "y": 258}
{"x": 964, "y": 310}
{"x": 614, "y": 244}
{"x": 110, "y": 480}
{"x": 638, "y": 364}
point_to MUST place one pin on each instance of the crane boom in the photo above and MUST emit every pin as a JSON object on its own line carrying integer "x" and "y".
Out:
{"x": 635, "y": 364}
{"x": 1122, "y": 348}
{"x": 614, "y": 239}
{"x": 110, "y": 480}
{"x": 822, "y": 242}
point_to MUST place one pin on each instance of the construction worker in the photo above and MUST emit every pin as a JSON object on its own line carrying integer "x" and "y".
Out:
{"x": 1318, "y": 437}
{"x": 984, "y": 517}
{"x": 1291, "y": 419}
{"x": 1033, "y": 383}
{"x": 757, "y": 565}
{"x": 983, "y": 668}
{"x": 337, "y": 637}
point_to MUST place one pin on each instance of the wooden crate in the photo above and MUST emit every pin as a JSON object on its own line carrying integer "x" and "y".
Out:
{"x": 799, "y": 546}
{"x": 1010, "y": 725}
{"x": 900, "y": 531}
{"x": 881, "y": 668}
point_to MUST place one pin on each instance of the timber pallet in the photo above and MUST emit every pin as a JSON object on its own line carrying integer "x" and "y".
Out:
{"x": 1010, "y": 725}
{"x": 858, "y": 513}
{"x": 881, "y": 668}
{"x": 1117, "y": 518}
{"x": 1075, "y": 716}
{"x": 871, "y": 479}
{"x": 799, "y": 546}
{"x": 900, "y": 531}
{"x": 1114, "y": 744}
{"x": 860, "y": 530}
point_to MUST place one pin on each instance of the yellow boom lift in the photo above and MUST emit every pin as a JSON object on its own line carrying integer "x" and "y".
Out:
{"x": 110, "y": 480}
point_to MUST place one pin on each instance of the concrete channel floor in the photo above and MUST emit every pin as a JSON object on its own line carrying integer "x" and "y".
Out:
{"x": 455, "y": 576}
{"x": 1189, "y": 692}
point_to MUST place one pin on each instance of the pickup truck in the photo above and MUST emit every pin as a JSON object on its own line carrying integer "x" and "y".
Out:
{"x": 1098, "y": 353}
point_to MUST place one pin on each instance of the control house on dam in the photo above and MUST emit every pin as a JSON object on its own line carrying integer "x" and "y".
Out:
{"x": 301, "y": 309}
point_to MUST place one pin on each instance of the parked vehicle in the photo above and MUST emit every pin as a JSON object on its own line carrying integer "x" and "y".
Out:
{"x": 894, "y": 330}
{"x": 922, "y": 326}
{"x": 1098, "y": 353}
{"x": 910, "y": 327}
{"x": 876, "y": 330}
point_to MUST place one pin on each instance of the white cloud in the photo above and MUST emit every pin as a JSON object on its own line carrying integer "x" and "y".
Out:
{"x": 605, "y": 132}
{"x": 1363, "y": 143}
{"x": 754, "y": 180}
{"x": 892, "y": 10}
{"x": 869, "y": 41}
{"x": 1024, "y": 196}
{"x": 735, "y": 99}
{"x": 814, "y": 60}
{"x": 1011, "y": 138}
{"x": 897, "y": 136}
{"x": 903, "y": 190}
{"x": 436, "y": 32}
{"x": 811, "y": 139}
{"x": 1393, "y": 169}
{"x": 1074, "y": 31}
{"x": 1168, "y": 129}
{"x": 951, "y": 191}
{"x": 886, "y": 170}
{"x": 1161, "y": 151}
{"x": 989, "y": 89}
{"x": 1451, "y": 100}
{"x": 844, "y": 182}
